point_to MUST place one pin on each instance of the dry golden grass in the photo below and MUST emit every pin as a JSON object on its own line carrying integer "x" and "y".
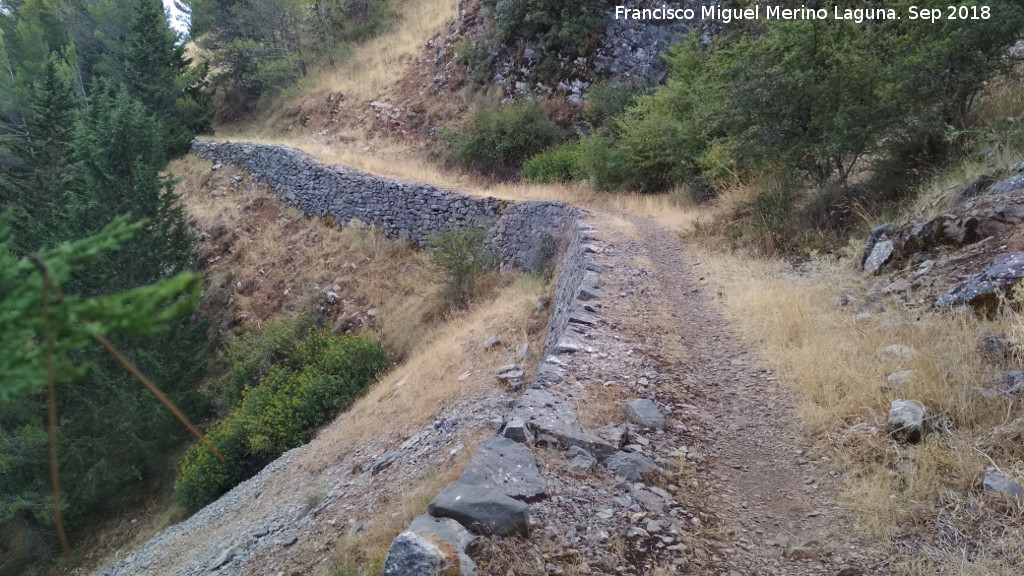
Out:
{"x": 409, "y": 397}
{"x": 276, "y": 247}
{"x": 379, "y": 62}
{"x": 831, "y": 361}
{"x": 284, "y": 260}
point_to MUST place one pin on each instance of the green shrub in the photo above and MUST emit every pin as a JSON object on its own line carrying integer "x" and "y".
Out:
{"x": 499, "y": 140}
{"x": 656, "y": 152}
{"x": 606, "y": 100}
{"x": 203, "y": 477}
{"x": 556, "y": 165}
{"x": 603, "y": 163}
{"x": 251, "y": 354}
{"x": 311, "y": 381}
{"x": 462, "y": 258}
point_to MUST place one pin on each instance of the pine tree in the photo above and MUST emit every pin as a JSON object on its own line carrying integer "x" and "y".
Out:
{"x": 158, "y": 73}
{"x": 71, "y": 323}
{"x": 118, "y": 150}
{"x": 46, "y": 152}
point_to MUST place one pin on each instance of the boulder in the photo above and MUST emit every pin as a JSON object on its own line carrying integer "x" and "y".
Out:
{"x": 580, "y": 459}
{"x": 644, "y": 412}
{"x": 630, "y": 467}
{"x": 876, "y": 235}
{"x": 982, "y": 290}
{"x": 515, "y": 429}
{"x": 996, "y": 481}
{"x": 547, "y": 414}
{"x": 491, "y": 342}
{"x": 413, "y": 552}
{"x": 880, "y": 255}
{"x": 503, "y": 464}
{"x": 427, "y": 547}
{"x": 483, "y": 511}
{"x": 906, "y": 420}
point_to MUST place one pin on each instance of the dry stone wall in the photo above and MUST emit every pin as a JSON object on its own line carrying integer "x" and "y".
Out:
{"x": 524, "y": 235}
{"x": 534, "y": 235}
{"x": 490, "y": 496}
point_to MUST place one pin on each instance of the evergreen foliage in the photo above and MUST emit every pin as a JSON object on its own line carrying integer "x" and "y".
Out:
{"x": 46, "y": 153}
{"x": 72, "y": 160}
{"x": 73, "y": 322}
{"x": 310, "y": 382}
{"x": 158, "y": 74}
{"x": 497, "y": 140}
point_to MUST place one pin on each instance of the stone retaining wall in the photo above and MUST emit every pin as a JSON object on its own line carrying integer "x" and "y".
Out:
{"x": 523, "y": 234}
{"x": 530, "y": 235}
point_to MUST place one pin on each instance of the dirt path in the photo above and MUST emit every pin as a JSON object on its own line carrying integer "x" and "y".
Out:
{"x": 773, "y": 496}
{"x": 749, "y": 497}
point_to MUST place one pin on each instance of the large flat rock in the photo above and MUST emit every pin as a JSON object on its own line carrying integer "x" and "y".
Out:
{"x": 483, "y": 511}
{"x": 507, "y": 466}
{"x": 546, "y": 413}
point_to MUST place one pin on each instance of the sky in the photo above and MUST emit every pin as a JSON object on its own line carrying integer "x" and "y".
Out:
{"x": 177, "y": 19}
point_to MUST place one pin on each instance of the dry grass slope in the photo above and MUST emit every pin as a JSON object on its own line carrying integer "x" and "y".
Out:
{"x": 925, "y": 499}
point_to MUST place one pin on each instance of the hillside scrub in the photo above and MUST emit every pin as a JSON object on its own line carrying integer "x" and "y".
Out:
{"x": 820, "y": 104}
{"x": 497, "y": 140}
{"x": 462, "y": 259}
{"x": 309, "y": 383}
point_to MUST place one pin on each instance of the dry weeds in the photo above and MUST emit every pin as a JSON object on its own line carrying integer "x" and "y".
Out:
{"x": 408, "y": 397}
{"x": 924, "y": 499}
{"x": 264, "y": 258}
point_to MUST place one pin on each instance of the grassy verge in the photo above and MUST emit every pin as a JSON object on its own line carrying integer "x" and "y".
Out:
{"x": 925, "y": 500}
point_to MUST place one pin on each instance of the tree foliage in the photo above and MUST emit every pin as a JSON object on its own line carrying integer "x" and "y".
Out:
{"x": 95, "y": 95}
{"x": 812, "y": 98}
{"x": 309, "y": 381}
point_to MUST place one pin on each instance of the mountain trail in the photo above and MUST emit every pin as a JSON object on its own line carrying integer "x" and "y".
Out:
{"x": 743, "y": 491}
{"x": 748, "y": 496}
